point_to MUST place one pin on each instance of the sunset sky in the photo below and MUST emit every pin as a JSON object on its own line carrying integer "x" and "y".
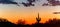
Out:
{"x": 13, "y": 12}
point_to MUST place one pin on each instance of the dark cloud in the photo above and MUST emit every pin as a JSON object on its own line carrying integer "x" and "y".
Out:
{"x": 52, "y": 3}
{"x": 29, "y": 3}
{"x": 45, "y": 4}
{"x": 8, "y": 2}
{"x": 56, "y": 12}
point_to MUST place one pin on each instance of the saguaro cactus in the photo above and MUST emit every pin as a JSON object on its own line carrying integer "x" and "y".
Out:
{"x": 38, "y": 18}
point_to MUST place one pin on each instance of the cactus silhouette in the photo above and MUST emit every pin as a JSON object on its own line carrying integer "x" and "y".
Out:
{"x": 38, "y": 18}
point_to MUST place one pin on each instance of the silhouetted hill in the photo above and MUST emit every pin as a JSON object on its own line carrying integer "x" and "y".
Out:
{"x": 6, "y": 23}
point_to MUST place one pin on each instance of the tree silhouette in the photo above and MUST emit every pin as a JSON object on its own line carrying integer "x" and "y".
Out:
{"x": 53, "y": 23}
{"x": 21, "y": 22}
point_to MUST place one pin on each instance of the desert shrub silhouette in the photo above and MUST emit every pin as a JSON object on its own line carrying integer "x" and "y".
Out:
{"x": 53, "y": 23}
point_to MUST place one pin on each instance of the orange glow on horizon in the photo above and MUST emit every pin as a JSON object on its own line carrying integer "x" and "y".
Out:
{"x": 29, "y": 19}
{"x": 28, "y": 14}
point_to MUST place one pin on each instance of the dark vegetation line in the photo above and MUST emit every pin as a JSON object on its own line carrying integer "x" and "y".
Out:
{"x": 49, "y": 23}
{"x": 20, "y": 23}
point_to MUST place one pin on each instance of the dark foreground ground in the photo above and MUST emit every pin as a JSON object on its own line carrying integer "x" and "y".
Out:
{"x": 49, "y": 23}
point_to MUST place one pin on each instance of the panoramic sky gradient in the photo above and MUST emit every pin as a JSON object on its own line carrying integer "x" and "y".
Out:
{"x": 13, "y": 12}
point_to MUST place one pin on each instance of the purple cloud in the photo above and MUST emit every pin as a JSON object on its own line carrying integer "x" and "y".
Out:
{"x": 52, "y": 3}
